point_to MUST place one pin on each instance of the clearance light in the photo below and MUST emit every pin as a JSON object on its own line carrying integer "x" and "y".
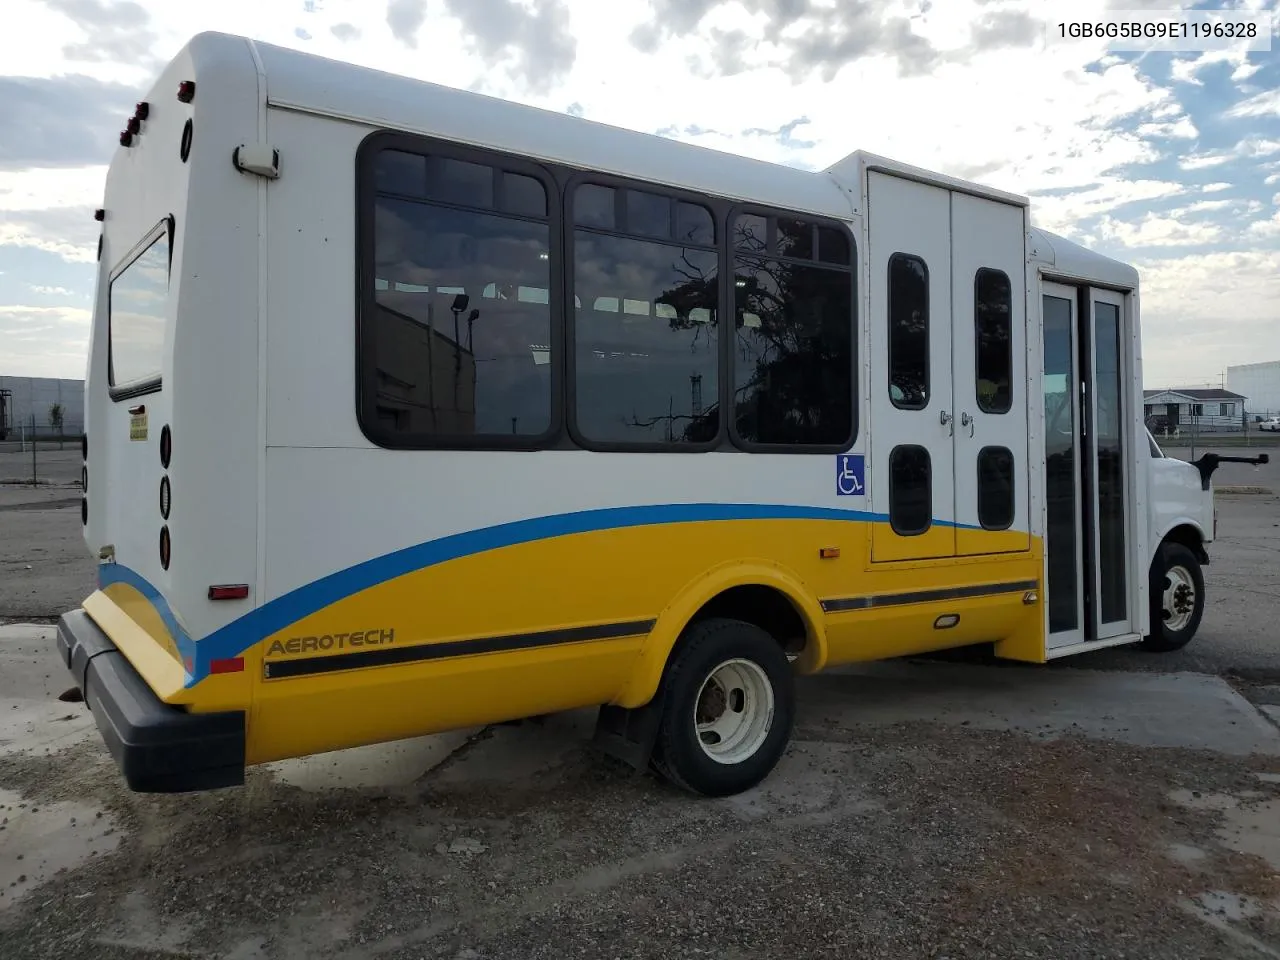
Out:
{"x": 187, "y": 91}
{"x": 229, "y": 665}
{"x": 126, "y": 138}
{"x": 99, "y": 214}
{"x": 229, "y": 591}
{"x": 142, "y": 110}
{"x": 134, "y": 125}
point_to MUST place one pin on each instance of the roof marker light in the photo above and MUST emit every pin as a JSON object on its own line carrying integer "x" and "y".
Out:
{"x": 142, "y": 110}
{"x": 187, "y": 91}
{"x": 134, "y": 125}
{"x": 126, "y": 138}
{"x": 99, "y": 214}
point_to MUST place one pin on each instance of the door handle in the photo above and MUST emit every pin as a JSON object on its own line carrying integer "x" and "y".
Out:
{"x": 968, "y": 421}
{"x": 945, "y": 419}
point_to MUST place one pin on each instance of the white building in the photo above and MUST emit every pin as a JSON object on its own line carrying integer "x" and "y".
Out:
{"x": 1260, "y": 382}
{"x": 1169, "y": 411}
{"x": 28, "y": 396}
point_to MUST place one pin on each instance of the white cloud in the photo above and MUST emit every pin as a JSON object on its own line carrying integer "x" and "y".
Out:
{"x": 1263, "y": 105}
{"x": 44, "y": 341}
{"x": 1208, "y": 310}
{"x": 1154, "y": 230}
{"x": 1214, "y": 187}
{"x": 50, "y": 291}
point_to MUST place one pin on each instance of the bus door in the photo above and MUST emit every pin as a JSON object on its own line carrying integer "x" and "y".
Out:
{"x": 1089, "y": 530}
{"x": 949, "y": 450}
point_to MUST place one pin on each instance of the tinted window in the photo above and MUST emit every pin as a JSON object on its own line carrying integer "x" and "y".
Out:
{"x": 694, "y": 224}
{"x": 833, "y": 245}
{"x": 523, "y": 195}
{"x": 992, "y": 315}
{"x": 910, "y": 490}
{"x": 751, "y": 233}
{"x": 1109, "y": 436}
{"x": 795, "y": 239}
{"x": 460, "y": 333}
{"x": 646, "y": 338}
{"x": 908, "y": 332}
{"x": 792, "y": 353}
{"x": 594, "y": 206}
{"x": 648, "y": 214}
{"x": 138, "y": 298}
{"x": 995, "y": 488}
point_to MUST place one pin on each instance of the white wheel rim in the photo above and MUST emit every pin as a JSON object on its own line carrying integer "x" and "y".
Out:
{"x": 1179, "y": 601}
{"x": 734, "y": 711}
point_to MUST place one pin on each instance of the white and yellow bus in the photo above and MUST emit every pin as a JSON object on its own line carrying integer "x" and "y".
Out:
{"x": 408, "y": 410}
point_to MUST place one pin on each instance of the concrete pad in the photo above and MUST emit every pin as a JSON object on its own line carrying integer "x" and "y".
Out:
{"x": 39, "y": 840}
{"x": 1271, "y": 711}
{"x": 1147, "y": 710}
{"x": 32, "y": 718}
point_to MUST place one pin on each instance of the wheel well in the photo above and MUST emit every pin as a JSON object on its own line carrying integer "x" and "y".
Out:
{"x": 767, "y": 608}
{"x": 1190, "y": 538}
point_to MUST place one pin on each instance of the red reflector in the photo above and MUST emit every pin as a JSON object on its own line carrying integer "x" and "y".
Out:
{"x": 230, "y": 665}
{"x": 229, "y": 591}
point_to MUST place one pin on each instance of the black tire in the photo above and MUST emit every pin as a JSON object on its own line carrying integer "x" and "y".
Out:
{"x": 678, "y": 752}
{"x": 1174, "y": 557}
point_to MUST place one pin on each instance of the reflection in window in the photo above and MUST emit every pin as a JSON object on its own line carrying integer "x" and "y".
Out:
{"x": 793, "y": 346}
{"x": 647, "y": 348}
{"x": 910, "y": 490}
{"x": 908, "y": 332}
{"x": 993, "y": 317}
{"x": 1061, "y": 464}
{"x": 138, "y": 298}
{"x": 1109, "y": 435}
{"x": 995, "y": 488}
{"x": 462, "y": 330}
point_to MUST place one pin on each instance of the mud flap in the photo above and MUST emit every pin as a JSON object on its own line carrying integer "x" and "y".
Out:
{"x": 628, "y": 735}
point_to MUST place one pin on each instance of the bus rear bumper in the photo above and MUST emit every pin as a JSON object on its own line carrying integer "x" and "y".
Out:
{"x": 158, "y": 747}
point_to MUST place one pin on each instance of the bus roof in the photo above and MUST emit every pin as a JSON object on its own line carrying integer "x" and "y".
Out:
{"x": 309, "y": 83}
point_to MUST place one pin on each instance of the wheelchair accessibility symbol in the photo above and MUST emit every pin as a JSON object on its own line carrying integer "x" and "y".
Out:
{"x": 850, "y": 475}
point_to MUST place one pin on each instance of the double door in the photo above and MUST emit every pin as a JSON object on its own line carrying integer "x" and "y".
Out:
{"x": 1090, "y": 559}
{"x": 949, "y": 448}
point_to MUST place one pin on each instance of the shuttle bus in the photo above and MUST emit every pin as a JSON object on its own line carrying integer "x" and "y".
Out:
{"x": 408, "y": 410}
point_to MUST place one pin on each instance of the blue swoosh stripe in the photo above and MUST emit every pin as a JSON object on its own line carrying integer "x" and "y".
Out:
{"x": 241, "y": 634}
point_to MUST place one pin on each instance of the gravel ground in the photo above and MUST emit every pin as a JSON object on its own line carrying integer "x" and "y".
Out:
{"x": 912, "y": 841}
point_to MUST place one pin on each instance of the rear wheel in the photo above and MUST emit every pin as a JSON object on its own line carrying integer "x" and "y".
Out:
{"x": 1177, "y": 598}
{"x": 728, "y": 702}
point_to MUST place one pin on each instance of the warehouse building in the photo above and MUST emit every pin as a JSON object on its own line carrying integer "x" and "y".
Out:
{"x": 40, "y": 400}
{"x": 1260, "y": 382}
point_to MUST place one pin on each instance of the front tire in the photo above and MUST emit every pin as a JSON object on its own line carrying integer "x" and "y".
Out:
{"x": 1177, "y": 598}
{"x": 727, "y": 709}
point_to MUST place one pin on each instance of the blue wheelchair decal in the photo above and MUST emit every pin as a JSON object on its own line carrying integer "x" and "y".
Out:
{"x": 850, "y": 475}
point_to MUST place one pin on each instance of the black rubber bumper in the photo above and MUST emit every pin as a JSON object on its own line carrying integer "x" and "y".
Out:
{"x": 158, "y": 747}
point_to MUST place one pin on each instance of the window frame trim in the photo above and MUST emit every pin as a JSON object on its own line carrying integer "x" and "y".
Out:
{"x": 977, "y": 357}
{"x": 928, "y": 331}
{"x": 153, "y": 383}
{"x": 366, "y": 293}
{"x": 716, "y": 206}
{"x": 730, "y": 254}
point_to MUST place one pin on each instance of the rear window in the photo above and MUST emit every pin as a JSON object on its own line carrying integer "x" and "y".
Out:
{"x": 137, "y": 314}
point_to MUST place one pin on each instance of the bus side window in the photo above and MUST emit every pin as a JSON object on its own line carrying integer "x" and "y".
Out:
{"x": 910, "y": 490}
{"x": 908, "y": 332}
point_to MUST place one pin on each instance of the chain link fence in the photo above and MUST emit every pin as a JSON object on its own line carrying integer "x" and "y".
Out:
{"x": 40, "y": 451}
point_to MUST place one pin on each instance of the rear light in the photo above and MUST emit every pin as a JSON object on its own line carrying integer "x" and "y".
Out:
{"x": 227, "y": 665}
{"x": 166, "y": 446}
{"x": 166, "y": 497}
{"x": 164, "y": 547}
{"x": 229, "y": 591}
{"x": 84, "y": 446}
{"x": 84, "y": 511}
{"x": 187, "y": 91}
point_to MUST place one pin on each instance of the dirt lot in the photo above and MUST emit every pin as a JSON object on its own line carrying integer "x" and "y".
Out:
{"x": 886, "y": 839}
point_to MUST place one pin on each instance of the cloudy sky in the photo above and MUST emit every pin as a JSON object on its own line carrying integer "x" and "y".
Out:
{"x": 1168, "y": 160}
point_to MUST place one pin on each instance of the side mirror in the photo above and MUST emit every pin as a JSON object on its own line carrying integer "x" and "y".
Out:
{"x": 460, "y": 302}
